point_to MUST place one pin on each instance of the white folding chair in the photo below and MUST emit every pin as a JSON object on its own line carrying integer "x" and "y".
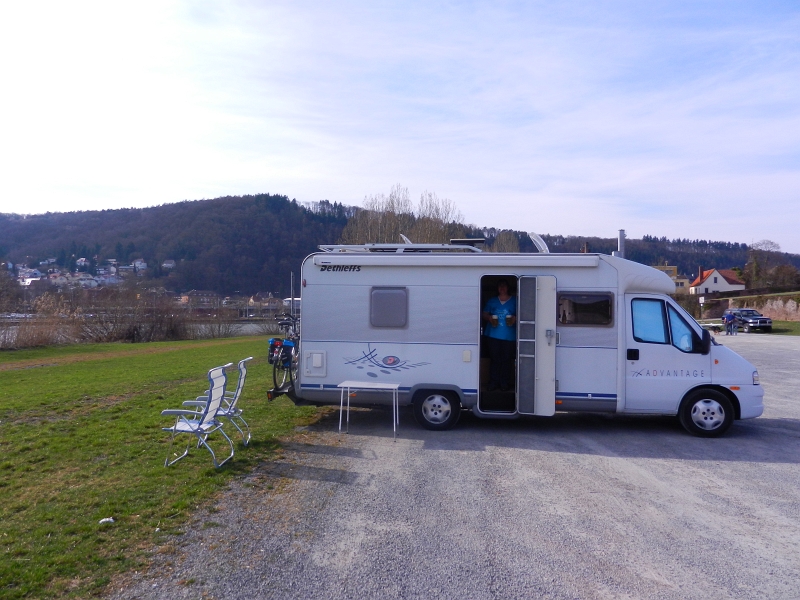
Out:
{"x": 229, "y": 409}
{"x": 203, "y": 422}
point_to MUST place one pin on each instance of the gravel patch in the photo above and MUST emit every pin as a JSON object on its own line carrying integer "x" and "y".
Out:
{"x": 575, "y": 506}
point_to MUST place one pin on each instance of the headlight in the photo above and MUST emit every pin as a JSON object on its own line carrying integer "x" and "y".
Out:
{"x": 756, "y": 380}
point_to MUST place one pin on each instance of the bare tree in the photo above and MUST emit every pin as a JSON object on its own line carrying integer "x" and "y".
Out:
{"x": 506, "y": 241}
{"x": 764, "y": 256}
{"x": 9, "y": 292}
{"x": 784, "y": 276}
{"x": 437, "y": 220}
{"x": 383, "y": 219}
{"x": 53, "y": 323}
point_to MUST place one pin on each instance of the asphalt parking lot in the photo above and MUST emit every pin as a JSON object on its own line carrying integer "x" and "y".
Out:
{"x": 574, "y": 506}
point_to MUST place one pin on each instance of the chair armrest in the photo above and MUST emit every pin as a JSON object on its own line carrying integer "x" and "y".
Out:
{"x": 195, "y": 402}
{"x": 177, "y": 412}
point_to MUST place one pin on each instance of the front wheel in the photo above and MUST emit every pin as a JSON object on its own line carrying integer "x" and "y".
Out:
{"x": 746, "y": 328}
{"x": 706, "y": 413}
{"x": 436, "y": 410}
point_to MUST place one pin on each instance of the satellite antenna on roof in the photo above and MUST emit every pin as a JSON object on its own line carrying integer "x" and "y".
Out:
{"x": 540, "y": 244}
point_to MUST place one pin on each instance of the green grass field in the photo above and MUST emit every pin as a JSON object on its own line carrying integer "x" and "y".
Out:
{"x": 786, "y": 327}
{"x": 80, "y": 440}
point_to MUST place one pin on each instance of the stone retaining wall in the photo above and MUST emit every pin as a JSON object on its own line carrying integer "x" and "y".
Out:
{"x": 779, "y": 308}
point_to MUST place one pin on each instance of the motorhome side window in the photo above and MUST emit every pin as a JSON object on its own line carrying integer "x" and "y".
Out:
{"x": 388, "y": 307}
{"x": 585, "y": 309}
{"x": 656, "y": 323}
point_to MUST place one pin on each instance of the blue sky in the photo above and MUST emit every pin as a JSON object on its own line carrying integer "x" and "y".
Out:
{"x": 669, "y": 119}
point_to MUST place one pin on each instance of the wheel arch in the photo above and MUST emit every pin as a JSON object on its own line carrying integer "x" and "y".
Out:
{"x": 435, "y": 387}
{"x": 737, "y": 410}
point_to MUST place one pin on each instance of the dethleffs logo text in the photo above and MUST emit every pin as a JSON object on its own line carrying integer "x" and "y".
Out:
{"x": 340, "y": 268}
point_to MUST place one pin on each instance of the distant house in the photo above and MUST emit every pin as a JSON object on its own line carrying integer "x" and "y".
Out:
{"x": 139, "y": 264}
{"x": 681, "y": 282}
{"x": 25, "y": 273}
{"x": 89, "y": 282}
{"x": 123, "y": 270}
{"x": 82, "y": 262}
{"x": 264, "y": 304}
{"x": 168, "y": 264}
{"x": 716, "y": 280}
{"x": 201, "y": 299}
{"x": 108, "y": 280}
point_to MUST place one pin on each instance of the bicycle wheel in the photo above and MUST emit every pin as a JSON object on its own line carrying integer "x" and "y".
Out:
{"x": 293, "y": 366}
{"x": 279, "y": 371}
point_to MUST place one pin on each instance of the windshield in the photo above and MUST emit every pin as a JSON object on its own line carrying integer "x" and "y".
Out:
{"x": 750, "y": 313}
{"x": 698, "y": 328}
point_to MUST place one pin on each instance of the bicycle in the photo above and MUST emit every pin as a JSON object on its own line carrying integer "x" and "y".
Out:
{"x": 283, "y": 352}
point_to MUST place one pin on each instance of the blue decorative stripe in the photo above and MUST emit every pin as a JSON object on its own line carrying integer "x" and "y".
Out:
{"x": 332, "y": 386}
{"x": 309, "y": 341}
{"x": 585, "y": 396}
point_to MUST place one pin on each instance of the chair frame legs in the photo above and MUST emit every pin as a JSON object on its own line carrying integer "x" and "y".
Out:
{"x": 201, "y": 440}
{"x": 233, "y": 419}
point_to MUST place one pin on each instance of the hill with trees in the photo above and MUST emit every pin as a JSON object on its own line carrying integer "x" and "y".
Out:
{"x": 248, "y": 244}
{"x": 244, "y": 244}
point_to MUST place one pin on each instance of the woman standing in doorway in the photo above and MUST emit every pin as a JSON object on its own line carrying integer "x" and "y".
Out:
{"x": 500, "y": 314}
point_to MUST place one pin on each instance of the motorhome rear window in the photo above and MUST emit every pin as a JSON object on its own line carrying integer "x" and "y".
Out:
{"x": 388, "y": 307}
{"x": 585, "y": 309}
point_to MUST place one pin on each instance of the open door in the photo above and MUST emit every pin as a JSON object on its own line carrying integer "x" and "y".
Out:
{"x": 536, "y": 346}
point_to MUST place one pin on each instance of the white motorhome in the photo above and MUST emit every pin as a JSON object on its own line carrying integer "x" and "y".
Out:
{"x": 594, "y": 333}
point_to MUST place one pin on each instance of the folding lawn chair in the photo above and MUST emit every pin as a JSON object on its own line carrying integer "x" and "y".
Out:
{"x": 203, "y": 421}
{"x": 229, "y": 408}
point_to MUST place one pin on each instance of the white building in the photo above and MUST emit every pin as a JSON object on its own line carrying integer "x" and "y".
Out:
{"x": 716, "y": 280}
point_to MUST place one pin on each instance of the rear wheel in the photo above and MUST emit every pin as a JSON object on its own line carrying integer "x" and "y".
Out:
{"x": 281, "y": 371}
{"x": 436, "y": 410}
{"x": 706, "y": 413}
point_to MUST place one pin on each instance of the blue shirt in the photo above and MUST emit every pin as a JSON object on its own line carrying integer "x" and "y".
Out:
{"x": 502, "y": 331}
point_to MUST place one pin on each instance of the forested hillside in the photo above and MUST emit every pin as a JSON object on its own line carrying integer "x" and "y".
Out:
{"x": 243, "y": 244}
{"x": 250, "y": 244}
{"x": 687, "y": 255}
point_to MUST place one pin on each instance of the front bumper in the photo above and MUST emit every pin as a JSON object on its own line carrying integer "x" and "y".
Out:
{"x": 751, "y": 401}
{"x": 756, "y": 324}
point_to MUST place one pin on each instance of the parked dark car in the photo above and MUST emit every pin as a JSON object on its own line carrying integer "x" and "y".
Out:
{"x": 750, "y": 319}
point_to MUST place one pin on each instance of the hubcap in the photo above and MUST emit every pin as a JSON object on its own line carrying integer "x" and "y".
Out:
{"x": 436, "y": 408}
{"x": 708, "y": 414}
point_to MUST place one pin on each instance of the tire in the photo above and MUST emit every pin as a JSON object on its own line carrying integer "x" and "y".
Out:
{"x": 746, "y": 328}
{"x": 280, "y": 374}
{"x": 436, "y": 409}
{"x": 706, "y": 413}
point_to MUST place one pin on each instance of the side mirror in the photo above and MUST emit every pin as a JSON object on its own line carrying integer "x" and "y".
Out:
{"x": 705, "y": 342}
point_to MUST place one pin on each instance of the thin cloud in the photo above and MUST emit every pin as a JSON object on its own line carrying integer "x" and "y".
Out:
{"x": 665, "y": 119}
